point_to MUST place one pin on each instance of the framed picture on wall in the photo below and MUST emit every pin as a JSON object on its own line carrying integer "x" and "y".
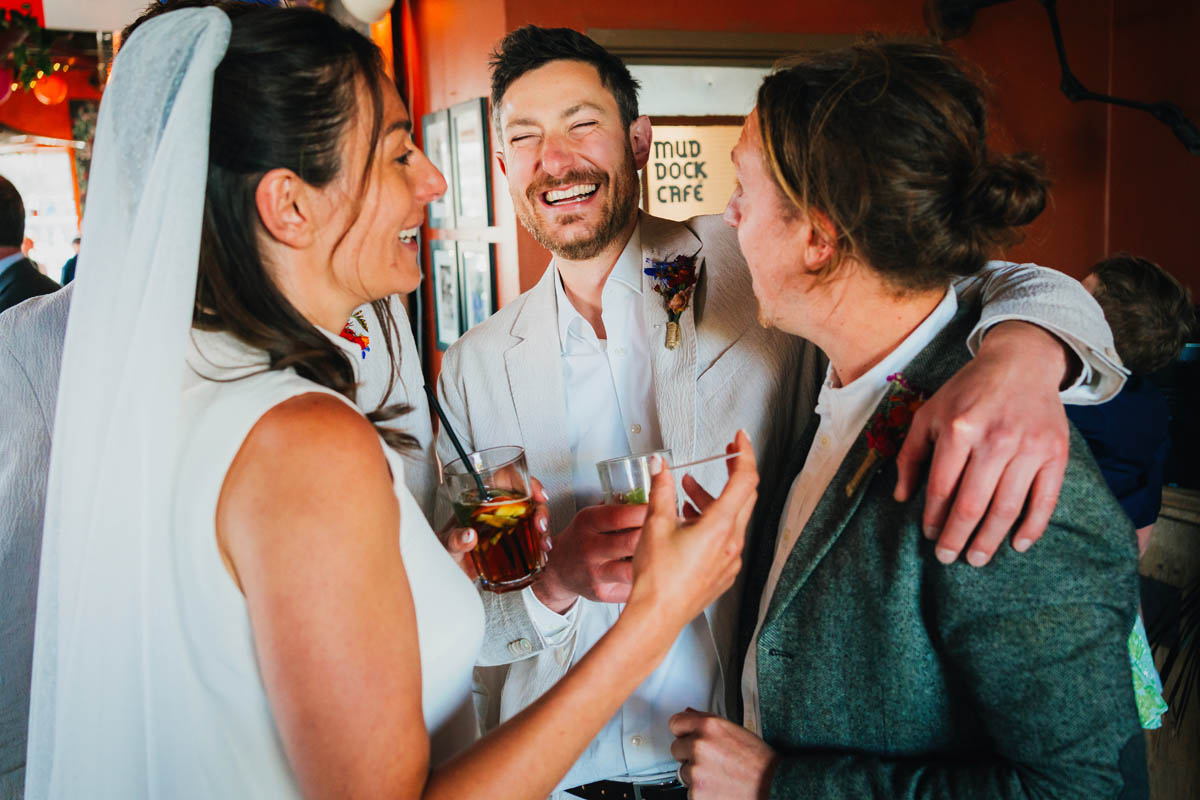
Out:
{"x": 477, "y": 278}
{"x": 472, "y": 165}
{"x": 447, "y": 298}
{"x": 435, "y": 137}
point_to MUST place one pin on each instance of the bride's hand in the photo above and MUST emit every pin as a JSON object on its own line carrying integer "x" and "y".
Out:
{"x": 680, "y": 567}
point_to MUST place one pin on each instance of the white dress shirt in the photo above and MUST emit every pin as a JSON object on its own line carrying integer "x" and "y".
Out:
{"x": 611, "y": 412}
{"x": 844, "y": 412}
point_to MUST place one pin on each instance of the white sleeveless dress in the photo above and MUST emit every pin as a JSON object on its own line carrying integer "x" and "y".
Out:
{"x": 225, "y": 743}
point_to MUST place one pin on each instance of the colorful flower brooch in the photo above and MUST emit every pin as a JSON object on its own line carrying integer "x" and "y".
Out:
{"x": 360, "y": 339}
{"x": 887, "y": 429}
{"x": 674, "y": 280}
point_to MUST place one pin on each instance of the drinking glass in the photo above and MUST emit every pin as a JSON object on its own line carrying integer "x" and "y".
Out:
{"x": 626, "y": 480}
{"x": 508, "y": 554}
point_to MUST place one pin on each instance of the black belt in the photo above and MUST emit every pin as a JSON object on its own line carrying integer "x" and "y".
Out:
{"x": 618, "y": 790}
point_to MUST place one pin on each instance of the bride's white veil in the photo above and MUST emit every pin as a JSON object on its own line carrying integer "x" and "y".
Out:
{"x": 93, "y": 715}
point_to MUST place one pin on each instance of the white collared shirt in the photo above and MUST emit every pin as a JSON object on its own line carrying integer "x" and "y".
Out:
{"x": 609, "y": 391}
{"x": 844, "y": 412}
{"x": 611, "y": 412}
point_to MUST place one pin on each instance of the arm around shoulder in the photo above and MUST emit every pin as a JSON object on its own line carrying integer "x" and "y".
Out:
{"x": 1058, "y": 304}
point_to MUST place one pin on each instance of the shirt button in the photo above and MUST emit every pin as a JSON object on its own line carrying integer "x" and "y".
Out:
{"x": 824, "y": 440}
{"x": 636, "y": 741}
{"x": 635, "y": 428}
{"x": 620, "y": 351}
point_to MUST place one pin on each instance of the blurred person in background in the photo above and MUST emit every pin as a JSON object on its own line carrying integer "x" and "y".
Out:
{"x": 1151, "y": 316}
{"x": 20, "y": 278}
{"x": 68, "y": 270}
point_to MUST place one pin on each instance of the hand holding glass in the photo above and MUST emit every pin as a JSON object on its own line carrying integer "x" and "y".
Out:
{"x": 508, "y": 554}
{"x": 626, "y": 480}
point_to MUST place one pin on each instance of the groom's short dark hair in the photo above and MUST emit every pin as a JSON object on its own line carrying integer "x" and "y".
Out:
{"x": 530, "y": 47}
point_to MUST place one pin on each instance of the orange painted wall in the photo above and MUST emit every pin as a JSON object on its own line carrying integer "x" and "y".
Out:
{"x": 22, "y": 111}
{"x": 1154, "y": 208}
{"x": 1013, "y": 45}
{"x": 1010, "y": 42}
{"x": 1121, "y": 180}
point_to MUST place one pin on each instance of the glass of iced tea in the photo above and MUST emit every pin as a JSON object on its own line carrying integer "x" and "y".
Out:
{"x": 509, "y": 553}
{"x": 626, "y": 480}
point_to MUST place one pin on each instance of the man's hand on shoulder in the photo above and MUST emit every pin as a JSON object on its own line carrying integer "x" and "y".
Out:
{"x": 591, "y": 557}
{"x": 999, "y": 440}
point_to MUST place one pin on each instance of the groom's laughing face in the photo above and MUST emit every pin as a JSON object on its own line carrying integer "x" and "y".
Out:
{"x": 571, "y": 163}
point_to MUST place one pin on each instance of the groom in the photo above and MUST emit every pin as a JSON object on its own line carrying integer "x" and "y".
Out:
{"x": 578, "y": 369}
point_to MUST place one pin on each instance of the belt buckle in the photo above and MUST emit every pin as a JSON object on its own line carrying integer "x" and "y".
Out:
{"x": 665, "y": 786}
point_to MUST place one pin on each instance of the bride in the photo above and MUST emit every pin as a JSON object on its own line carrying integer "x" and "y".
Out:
{"x": 223, "y": 609}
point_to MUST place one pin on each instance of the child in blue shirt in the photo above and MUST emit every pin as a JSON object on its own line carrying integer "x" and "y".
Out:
{"x": 1151, "y": 316}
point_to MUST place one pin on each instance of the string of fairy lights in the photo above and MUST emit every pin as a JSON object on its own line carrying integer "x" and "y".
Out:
{"x": 26, "y": 60}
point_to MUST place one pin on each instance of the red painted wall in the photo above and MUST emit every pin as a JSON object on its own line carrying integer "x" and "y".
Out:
{"x": 23, "y": 112}
{"x": 1121, "y": 179}
{"x": 1154, "y": 184}
{"x": 1012, "y": 45}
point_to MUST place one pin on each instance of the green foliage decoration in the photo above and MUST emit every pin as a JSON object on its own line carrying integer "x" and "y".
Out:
{"x": 25, "y": 45}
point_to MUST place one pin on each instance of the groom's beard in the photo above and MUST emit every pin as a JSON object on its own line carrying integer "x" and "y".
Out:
{"x": 619, "y": 206}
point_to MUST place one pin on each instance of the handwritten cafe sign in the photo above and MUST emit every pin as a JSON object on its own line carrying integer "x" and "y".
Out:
{"x": 689, "y": 171}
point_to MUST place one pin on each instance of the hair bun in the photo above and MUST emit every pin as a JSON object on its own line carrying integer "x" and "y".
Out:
{"x": 1010, "y": 191}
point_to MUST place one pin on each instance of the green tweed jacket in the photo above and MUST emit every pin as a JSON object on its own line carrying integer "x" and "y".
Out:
{"x": 884, "y": 673}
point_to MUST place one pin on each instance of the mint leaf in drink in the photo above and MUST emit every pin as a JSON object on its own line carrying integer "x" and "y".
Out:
{"x": 633, "y": 497}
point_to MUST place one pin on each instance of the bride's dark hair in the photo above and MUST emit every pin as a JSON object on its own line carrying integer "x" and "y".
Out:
{"x": 284, "y": 96}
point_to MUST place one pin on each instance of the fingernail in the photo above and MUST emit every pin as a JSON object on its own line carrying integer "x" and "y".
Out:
{"x": 544, "y": 524}
{"x": 745, "y": 433}
{"x": 549, "y": 543}
{"x": 930, "y": 532}
{"x": 945, "y": 555}
{"x": 468, "y": 536}
{"x": 656, "y": 465}
{"x": 977, "y": 558}
{"x": 1021, "y": 545}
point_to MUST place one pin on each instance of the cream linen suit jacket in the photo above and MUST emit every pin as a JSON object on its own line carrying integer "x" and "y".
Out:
{"x": 501, "y": 384}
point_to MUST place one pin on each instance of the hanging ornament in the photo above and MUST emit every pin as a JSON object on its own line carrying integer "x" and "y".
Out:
{"x": 50, "y": 90}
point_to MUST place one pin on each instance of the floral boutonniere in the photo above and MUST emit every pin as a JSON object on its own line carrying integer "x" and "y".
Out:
{"x": 361, "y": 339}
{"x": 887, "y": 429}
{"x": 674, "y": 279}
